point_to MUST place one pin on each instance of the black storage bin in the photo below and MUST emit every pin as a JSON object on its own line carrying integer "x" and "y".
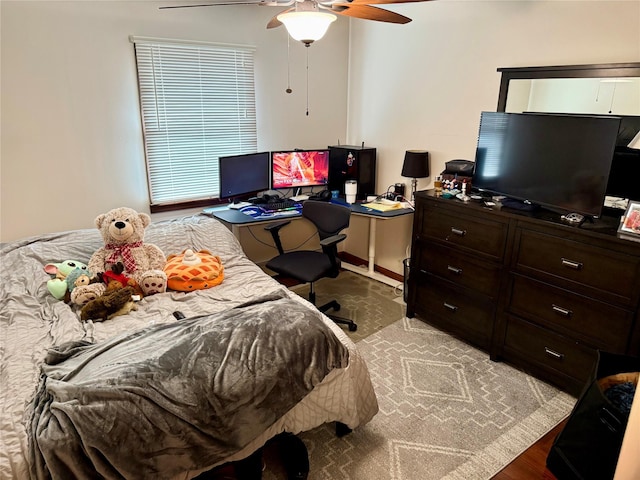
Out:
{"x": 588, "y": 446}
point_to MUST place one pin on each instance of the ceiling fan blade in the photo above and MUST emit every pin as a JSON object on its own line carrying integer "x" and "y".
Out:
{"x": 374, "y": 2}
{"x": 368, "y": 13}
{"x": 274, "y": 22}
{"x": 222, "y": 3}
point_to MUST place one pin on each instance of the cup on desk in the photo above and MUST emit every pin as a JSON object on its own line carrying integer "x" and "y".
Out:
{"x": 350, "y": 190}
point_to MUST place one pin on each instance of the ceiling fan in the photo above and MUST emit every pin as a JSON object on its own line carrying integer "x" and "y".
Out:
{"x": 308, "y": 20}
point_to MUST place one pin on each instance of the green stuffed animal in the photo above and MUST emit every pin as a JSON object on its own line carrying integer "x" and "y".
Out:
{"x": 58, "y": 286}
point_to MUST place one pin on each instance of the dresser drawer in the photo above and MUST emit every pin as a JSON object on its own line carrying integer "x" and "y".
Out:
{"x": 547, "y": 350}
{"x": 465, "y": 270}
{"x": 474, "y": 234}
{"x": 600, "y": 324}
{"x": 612, "y": 274}
{"x": 469, "y": 316}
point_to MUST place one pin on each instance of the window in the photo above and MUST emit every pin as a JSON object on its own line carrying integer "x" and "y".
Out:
{"x": 198, "y": 104}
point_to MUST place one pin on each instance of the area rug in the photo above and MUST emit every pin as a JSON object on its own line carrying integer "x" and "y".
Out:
{"x": 446, "y": 410}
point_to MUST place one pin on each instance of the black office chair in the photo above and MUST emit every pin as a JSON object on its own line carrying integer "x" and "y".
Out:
{"x": 308, "y": 266}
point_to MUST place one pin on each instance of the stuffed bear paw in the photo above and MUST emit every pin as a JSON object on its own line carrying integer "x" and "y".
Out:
{"x": 85, "y": 293}
{"x": 152, "y": 282}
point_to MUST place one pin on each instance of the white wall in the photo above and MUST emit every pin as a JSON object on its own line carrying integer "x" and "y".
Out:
{"x": 71, "y": 140}
{"x": 71, "y": 136}
{"x": 424, "y": 84}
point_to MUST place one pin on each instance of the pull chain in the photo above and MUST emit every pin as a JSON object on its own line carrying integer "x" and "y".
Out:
{"x": 613, "y": 95}
{"x": 288, "y": 90}
{"x": 307, "y": 45}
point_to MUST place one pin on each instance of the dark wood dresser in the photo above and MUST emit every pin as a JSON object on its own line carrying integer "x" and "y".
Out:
{"x": 527, "y": 288}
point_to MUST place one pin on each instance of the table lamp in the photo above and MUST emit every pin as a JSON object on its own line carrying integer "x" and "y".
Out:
{"x": 416, "y": 165}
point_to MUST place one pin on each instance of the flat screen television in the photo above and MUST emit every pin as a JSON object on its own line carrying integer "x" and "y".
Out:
{"x": 560, "y": 162}
{"x": 299, "y": 168}
{"x": 242, "y": 176}
{"x": 625, "y": 166}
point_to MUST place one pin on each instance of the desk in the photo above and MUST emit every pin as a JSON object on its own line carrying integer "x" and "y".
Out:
{"x": 373, "y": 215}
{"x": 238, "y": 219}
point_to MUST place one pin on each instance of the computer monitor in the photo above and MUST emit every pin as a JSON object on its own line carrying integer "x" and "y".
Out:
{"x": 242, "y": 176}
{"x": 299, "y": 168}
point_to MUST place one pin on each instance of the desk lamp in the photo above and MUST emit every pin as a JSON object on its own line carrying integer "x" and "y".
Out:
{"x": 416, "y": 165}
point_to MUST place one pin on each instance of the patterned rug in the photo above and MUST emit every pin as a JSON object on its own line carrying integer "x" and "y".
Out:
{"x": 446, "y": 410}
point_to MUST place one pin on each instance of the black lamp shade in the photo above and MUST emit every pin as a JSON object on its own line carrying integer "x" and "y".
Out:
{"x": 416, "y": 164}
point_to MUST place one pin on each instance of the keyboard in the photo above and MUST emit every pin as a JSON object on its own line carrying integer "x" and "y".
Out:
{"x": 285, "y": 204}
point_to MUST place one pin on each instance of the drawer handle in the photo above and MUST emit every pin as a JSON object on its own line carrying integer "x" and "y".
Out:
{"x": 456, "y": 270}
{"x": 562, "y": 311}
{"x": 458, "y": 231}
{"x": 448, "y": 306}
{"x": 571, "y": 264}
{"x": 553, "y": 353}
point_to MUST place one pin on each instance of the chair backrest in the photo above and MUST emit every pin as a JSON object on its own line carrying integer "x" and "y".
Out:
{"x": 329, "y": 218}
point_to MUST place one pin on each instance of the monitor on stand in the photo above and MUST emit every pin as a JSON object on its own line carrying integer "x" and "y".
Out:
{"x": 299, "y": 168}
{"x": 243, "y": 176}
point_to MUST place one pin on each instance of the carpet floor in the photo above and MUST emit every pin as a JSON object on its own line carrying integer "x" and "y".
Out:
{"x": 446, "y": 410}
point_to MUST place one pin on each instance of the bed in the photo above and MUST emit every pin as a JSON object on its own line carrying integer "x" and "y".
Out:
{"x": 149, "y": 396}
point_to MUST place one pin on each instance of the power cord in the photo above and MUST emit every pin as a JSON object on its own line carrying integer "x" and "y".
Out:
{"x": 273, "y": 246}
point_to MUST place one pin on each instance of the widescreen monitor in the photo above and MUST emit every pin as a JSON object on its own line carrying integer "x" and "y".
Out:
{"x": 244, "y": 175}
{"x": 299, "y": 168}
{"x": 561, "y": 162}
{"x": 625, "y": 166}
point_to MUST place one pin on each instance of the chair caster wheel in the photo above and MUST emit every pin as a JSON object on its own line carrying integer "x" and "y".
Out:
{"x": 353, "y": 327}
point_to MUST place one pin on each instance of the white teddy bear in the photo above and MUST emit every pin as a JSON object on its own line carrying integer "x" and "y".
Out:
{"x": 123, "y": 234}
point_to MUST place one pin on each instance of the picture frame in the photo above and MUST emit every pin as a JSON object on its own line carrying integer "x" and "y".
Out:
{"x": 630, "y": 223}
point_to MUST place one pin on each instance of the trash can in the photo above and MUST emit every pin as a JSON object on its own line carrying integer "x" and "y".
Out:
{"x": 405, "y": 288}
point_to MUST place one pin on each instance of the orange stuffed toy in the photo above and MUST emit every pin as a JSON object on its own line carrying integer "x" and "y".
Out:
{"x": 191, "y": 270}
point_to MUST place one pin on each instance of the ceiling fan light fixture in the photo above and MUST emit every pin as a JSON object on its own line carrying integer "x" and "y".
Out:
{"x": 307, "y": 27}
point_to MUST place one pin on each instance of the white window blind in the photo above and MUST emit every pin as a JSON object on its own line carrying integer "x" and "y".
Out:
{"x": 198, "y": 104}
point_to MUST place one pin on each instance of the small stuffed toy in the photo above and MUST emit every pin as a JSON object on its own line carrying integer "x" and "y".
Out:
{"x": 113, "y": 302}
{"x": 122, "y": 230}
{"x": 191, "y": 270}
{"x": 58, "y": 286}
{"x": 116, "y": 275}
{"x": 78, "y": 277}
{"x": 83, "y": 294}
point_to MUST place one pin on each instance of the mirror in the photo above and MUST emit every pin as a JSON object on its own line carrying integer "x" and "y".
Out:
{"x": 595, "y": 89}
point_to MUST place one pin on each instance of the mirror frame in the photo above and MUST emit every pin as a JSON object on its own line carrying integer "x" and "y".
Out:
{"x": 601, "y": 70}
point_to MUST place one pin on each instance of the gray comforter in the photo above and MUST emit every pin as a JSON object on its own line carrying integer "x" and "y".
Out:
{"x": 33, "y": 324}
{"x": 205, "y": 386}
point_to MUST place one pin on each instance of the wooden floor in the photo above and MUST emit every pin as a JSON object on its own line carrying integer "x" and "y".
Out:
{"x": 531, "y": 464}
